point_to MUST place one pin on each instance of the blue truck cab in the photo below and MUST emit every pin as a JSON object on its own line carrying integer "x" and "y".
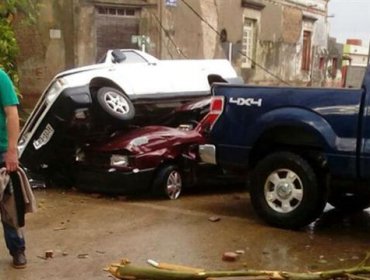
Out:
{"x": 301, "y": 147}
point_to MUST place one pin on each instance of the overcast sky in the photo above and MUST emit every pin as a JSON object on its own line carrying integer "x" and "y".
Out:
{"x": 351, "y": 20}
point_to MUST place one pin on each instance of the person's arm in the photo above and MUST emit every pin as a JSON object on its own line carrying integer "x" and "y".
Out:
{"x": 12, "y": 124}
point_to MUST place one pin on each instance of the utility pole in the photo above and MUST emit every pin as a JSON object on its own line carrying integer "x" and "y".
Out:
{"x": 368, "y": 55}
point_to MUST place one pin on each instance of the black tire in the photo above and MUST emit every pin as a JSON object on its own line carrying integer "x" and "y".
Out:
{"x": 294, "y": 199}
{"x": 168, "y": 182}
{"x": 349, "y": 202}
{"x": 115, "y": 103}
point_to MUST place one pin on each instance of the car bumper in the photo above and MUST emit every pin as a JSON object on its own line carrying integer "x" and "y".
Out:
{"x": 207, "y": 153}
{"x": 114, "y": 181}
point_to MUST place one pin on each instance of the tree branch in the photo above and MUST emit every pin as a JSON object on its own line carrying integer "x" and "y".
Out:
{"x": 125, "y": 270}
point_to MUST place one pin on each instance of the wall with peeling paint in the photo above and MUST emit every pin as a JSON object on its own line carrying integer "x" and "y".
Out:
{"x": 280, "y": 36}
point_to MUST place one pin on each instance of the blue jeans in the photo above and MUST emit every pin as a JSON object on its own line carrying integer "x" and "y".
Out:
{"x": 13, "y": 237}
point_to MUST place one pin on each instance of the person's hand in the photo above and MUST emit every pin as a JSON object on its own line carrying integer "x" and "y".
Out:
{"x": 11, "y": 160}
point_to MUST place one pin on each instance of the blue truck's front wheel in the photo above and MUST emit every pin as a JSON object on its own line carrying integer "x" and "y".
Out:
{"x": 285, "y": 191}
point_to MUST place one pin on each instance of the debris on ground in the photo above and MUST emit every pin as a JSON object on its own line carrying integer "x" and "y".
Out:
{"x": 49, "y": 254}
{"x": 125, "y": 270}
{"x": 59, "y": 228}
{"x": 230, "y": 257}
{"x": 82, "y": 256}
{"x": 173, "y": 267}
{"x": 214, "y": 219}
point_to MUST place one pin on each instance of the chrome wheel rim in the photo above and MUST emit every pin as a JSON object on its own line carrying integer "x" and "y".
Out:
{"x": 174, "y": 185}
{"x": 116, "y": 102}
{"x": 283, "y": 191}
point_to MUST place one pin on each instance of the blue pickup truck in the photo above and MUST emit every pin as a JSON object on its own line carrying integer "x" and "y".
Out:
{"x": 301, "y": 147}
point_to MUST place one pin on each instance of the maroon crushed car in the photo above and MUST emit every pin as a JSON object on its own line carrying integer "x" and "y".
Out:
{"x": 156, "y": 158}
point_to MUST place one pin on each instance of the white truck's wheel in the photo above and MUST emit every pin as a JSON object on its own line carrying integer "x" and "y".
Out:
{"x": 115, "y": 103}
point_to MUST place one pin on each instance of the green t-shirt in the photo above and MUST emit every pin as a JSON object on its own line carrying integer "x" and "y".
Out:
{"x": 8, "y": 97}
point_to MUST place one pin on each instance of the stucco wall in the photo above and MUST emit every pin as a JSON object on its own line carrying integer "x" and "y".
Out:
{"x": 45, "y": 48}
{"x": 183, "y": 34}
{"x": 271, "y": 24}
{"x": 84, "y": 34}
{"x": 230, "y": 18}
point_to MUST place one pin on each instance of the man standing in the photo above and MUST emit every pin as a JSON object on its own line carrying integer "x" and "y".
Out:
{"x": 9, "y": 131}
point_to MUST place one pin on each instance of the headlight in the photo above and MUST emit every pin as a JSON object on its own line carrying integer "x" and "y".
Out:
{"x": 80, "y": 155}
{"x": 54, "y": 90}
{"x": 119, "y": 160}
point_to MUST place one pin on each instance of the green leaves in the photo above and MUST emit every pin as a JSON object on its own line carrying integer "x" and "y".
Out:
{"x": 8, "y": 49}
{"x": 8, "y": 43}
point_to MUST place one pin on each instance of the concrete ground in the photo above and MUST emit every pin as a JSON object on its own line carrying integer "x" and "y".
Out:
{"x": 87, "y": 232}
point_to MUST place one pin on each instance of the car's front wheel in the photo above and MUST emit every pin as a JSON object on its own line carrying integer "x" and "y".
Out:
{"x": 168, "y": 182}
{"x": 285, "y": 191}
{"x": 115, "y": 103}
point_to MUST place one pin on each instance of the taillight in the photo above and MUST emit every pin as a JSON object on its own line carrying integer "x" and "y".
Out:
{"x": 216, "y": 109}
{"x": 217, "y": 104}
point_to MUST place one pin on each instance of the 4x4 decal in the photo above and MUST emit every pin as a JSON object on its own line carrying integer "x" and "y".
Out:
{"x": 240, "y": 101}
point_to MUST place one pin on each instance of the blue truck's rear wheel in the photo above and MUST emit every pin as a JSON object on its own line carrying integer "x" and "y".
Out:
{"x": 285, "y": 191}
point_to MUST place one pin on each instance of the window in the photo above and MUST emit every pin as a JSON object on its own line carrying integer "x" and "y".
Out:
{"x": 334, "y": 67}
{"x": 115, "y": 11}
{"x": 321, "y": 63}
{"x": 249, "y": 43}
{"x": 306, "y": 52}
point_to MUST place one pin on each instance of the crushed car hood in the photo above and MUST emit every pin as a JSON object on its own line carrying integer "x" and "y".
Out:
{"x": 148, "y": 138}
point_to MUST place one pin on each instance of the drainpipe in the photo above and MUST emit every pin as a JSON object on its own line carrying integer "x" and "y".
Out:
{"x": 230, "y": 51}
{"x": 160, "y": 14}
{"x": 368, "y": 56}
{"x": 312, "y": 64}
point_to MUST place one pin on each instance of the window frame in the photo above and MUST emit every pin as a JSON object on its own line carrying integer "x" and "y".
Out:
{"x": 249, "y": 45}
{"x": 306, "y": 50}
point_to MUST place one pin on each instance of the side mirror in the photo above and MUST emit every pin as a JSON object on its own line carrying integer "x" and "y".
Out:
{"x": 213, "y": 78}
{"x": 118, "y": 56}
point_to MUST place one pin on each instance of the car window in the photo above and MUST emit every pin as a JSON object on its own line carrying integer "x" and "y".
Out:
{"x": 133, "y": 57}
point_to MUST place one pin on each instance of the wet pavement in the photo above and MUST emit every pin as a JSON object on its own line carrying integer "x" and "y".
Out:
{"x": 87, "y": 232}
